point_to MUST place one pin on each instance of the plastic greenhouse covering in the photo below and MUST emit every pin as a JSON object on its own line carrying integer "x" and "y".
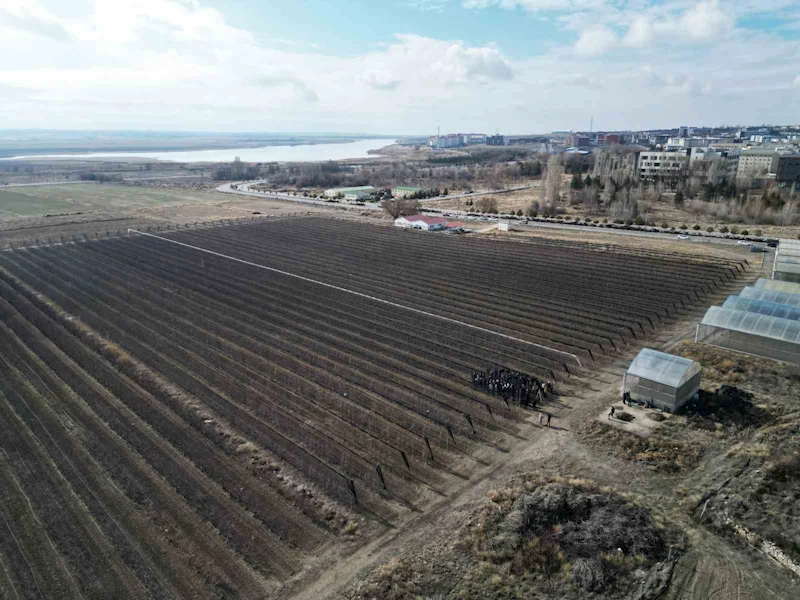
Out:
{"x": 778, "y": 286}
{"x": 763, "y": 307}
{"x": 753, "y": 323}
{"x": 663, "y": 368}
{"x": 776, "y": 297}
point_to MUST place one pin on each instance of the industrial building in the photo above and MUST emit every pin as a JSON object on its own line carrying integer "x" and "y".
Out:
{"x": 763, "y": 320}
{"x": 662, "y": 380}
{"x": 350, "y": 193}
{"x": 404, "y": 191}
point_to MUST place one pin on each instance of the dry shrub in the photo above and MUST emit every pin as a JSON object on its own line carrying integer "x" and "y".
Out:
{"x": 623, "y": 416}
{"x": 557, "y": 523}
{"x": 590, "y": 573}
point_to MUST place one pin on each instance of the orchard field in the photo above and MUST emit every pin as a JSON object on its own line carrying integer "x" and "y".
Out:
{"x": 179, "y": 421}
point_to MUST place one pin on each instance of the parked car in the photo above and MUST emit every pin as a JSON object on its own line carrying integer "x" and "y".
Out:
{"x": 683, "y": 236}
{"x": 744, "y": 243}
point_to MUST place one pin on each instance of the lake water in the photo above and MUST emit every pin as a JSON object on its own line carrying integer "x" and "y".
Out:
{"x": 299, "y": 153}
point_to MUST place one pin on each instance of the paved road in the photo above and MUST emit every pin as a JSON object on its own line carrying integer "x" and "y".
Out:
{"x": 649, "y": 234}
{"x": 244, "y": 189}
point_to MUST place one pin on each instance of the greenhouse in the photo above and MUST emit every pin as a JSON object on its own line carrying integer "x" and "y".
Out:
{"x": 763, "y": 307}
{"x": 778, "y": 286}
{"x": 752, "y": 293}
{"x": 759, "y": 334}
{"x": 662, "y": 380}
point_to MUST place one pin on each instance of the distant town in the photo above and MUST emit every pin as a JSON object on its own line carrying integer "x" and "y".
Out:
{"x": 770, "y": 153}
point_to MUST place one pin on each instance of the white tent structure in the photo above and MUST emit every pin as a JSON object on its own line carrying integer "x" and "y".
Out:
{"x": 778, "y": 286}
{"x": 753, "y": 293}
{"x": 751, "y": 332}
{"x": 762, "y": 307}
{"x": 664, "y": 380}
{"x": 787, "y": 261}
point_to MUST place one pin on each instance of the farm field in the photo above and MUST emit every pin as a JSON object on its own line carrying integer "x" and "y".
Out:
{"x": 57, "y": 199}
{"x": 179, "y": 424}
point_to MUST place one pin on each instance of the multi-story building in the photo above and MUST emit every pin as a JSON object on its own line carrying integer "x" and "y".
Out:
{"x": 403, "y": 191}
{"x": 685, "y": 143}
{"x": 786, "y": 168}
{"x": 725, "y": 146}
{"x": 452, "y": 140}
{"x": 577, "y": 140}
{"x": 651, "y": 165}
{"x": 658, "y": 138}
{"x": 472, "y": 138}
{"x": 730, "y": 160}
{"x": 755, "y": 162}
{"x": 495, "y": 140}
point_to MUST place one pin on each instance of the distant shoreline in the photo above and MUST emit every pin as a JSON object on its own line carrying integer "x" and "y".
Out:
{"x": 312, "y": 150}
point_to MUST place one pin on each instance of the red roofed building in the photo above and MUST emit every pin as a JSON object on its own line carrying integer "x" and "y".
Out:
{"x": 421, "y": 222}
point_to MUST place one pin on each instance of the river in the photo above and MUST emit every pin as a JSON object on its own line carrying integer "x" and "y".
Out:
{"x": 299, "y": 153}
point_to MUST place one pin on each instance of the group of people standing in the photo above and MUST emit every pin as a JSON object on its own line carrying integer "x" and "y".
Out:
{"x": 512, "y": 386}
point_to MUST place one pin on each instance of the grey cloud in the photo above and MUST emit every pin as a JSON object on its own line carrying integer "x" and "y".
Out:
{"x": 268, "y": 81}
{"x": 380, "y": 82}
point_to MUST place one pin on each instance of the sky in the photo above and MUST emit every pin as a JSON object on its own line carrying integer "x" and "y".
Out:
{"x": 397, "y": 66}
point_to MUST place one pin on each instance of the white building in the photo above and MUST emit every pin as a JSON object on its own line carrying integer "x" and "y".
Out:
{"x": 421, "y": 222}
{"x": 685, "y": 143}
{"x": 661, "y": 164}
{"x": 452, "y": 140}
{"x": 350, "y": 193}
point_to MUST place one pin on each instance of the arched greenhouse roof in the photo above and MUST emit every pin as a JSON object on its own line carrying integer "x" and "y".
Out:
{"x": 753, "y": 323}
{"x": 784, "y": 311}
{"x": 664, "y": 368}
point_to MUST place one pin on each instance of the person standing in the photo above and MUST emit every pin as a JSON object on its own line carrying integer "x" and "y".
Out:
{"x": 611, "y": 413}
{"x": 540, "y": 418}
{"x": 549, "y": 416}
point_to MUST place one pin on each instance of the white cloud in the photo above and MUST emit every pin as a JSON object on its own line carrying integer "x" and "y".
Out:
{"x": 29, "y": 16}
{"x": 429, "y": 62}
{"x": 379, "y": 81}
{"x": 706, "y": 21}
{"x": 596, "y": 40}
{"x": 179, "y": 64}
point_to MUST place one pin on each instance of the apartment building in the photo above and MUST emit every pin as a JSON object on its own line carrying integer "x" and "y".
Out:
{"x": 786, "y": 168}
{"x": 651, "y": 165}
{"x": 755, "y": 162}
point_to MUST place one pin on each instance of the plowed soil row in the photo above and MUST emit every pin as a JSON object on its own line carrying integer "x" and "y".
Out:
{"x": 177, "y": 424}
